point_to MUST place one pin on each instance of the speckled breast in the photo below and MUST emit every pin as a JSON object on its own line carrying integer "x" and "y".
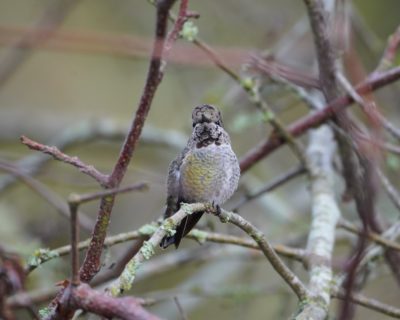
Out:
{"x": 209, "y": 174}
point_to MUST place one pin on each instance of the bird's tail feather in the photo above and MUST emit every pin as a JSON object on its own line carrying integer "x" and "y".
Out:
{"x": 182, "y": 230}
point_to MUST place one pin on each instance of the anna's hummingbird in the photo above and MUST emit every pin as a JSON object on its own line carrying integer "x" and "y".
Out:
{"x": 207, "y": 170}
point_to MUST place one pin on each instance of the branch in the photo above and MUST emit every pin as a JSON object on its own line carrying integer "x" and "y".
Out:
{"x": 91, "y": 262}
{"x": 390, "y": 51}
{"x": 250, "y": 88}
{"x": 74, "y": 243}
{"x": 373, "y": 236}
{"x": 75, "y": 161}
{"x": 369, "y": 303}
{"x": 47, "y": 194}
{"x": 85, "y": 298}
{"x": 281, "y": 73}
{"x": 325, "y": 215}
{"x": 78, "y": 199}
{"x": 102, "y": 304}
{"x": 300, "y": 126}
{"x": 87, "y": 131}
{"x": 159, "y": 265}
{"x": 42, "y": 256}
{"x": 390, "y": 190}
{"x": 374, "y": 251}
{"x": 272, "y": 185}
{"x": 287, "y": 275}
{"x": 357, "y": 164}
{"x": 124, "y": 282}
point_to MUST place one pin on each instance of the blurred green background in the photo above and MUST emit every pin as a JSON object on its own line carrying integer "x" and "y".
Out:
{"x": 91, "y": 74}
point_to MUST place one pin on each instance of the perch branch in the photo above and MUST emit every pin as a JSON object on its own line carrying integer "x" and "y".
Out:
{"x": 124, "y": 282}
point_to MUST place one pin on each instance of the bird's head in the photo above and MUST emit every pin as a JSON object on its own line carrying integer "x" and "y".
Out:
{"x": 206, "y": 113}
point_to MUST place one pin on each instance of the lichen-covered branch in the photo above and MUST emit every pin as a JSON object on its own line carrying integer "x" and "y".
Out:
{"x": 125, "y": 280}
{"x": 325, "y": 215}
{"x": 287, "y": 275}
{"x": 41, "y": 256}
{"x": 358, "y": 160}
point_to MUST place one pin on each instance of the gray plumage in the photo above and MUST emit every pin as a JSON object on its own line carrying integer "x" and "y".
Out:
{"x": 207, "y": 170}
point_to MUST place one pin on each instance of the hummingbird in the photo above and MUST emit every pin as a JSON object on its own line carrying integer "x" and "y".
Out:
{"x": 207, "y": 170}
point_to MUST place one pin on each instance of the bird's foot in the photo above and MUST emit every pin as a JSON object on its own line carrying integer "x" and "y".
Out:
{"x": 214, "y": 209}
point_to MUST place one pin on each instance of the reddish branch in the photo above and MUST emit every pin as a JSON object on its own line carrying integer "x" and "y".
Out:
{"x": 91, "y": 263}
{"x": 75, "y": 161}
{"x": 99, "y": 303}
{"x": 85, "y": 298}
{"x": 390, "y": 51}
{"x": 299, "y": 127}
{"x": 61, "y": 307}
{"x": 178, "y": 25}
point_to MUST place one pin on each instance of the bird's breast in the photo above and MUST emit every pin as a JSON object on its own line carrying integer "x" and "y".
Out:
{"x": 209, "y": 174}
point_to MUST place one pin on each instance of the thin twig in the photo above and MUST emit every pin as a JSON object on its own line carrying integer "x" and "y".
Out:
{"x": 74, "y": 243}
{"x": 369, "y": 303}
{"x": 182, "y": 313}
{"x": 377, "y": 238}
{"x": 47, "y": 194}
{"x": 147, "y": 230}
{"x": 75, "y": 161}
{"x": 79, "y": 199}
{"x": 281, "y": 73}
{"x": 390, "y": 190}
{"x": 88, "y": 131}
{"x": 389, "y": 54}
{"x": 271, "y": 185}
